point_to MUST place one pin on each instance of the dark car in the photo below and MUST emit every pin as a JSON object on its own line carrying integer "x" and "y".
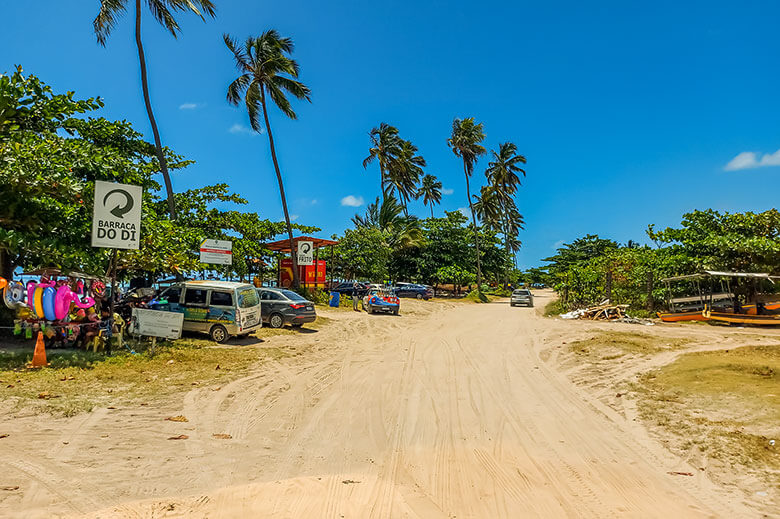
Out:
{"x": 280, "y": 306}
{"x": 348, "y": 289}
{"x": 411, "y": 290}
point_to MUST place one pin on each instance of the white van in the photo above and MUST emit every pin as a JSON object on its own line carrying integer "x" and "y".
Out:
{"x": 219, "y": 308}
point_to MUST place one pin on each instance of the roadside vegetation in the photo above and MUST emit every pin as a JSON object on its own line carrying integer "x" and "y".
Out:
{"x": 591, "y": 269}
{"x": 720, "y": 405}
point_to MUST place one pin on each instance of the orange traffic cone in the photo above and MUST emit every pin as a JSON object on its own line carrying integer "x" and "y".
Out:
{"x": 39, "y": 356}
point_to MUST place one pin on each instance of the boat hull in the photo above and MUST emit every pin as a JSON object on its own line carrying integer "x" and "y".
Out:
{"x": 762, "y": 320}
{"x": 681, "y": 316}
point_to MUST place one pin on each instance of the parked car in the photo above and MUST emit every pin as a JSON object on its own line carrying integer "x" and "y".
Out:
{"x": 521, "y": 296}
{"x": 348, "y": 288}
{"x": 412, "y": 290}
{"x": 284, "y": 307}
{"x": 219, "y": 308}
{"x": 381, "y": 300}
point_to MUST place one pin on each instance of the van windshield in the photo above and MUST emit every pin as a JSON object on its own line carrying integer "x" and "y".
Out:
{"x": 247, "y": 297}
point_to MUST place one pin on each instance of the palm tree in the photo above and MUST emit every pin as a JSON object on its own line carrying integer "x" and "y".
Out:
{"x": 399, "y": 231}
{"x": 161, "y": 10}
{"x": 465, "y": 143}
{"x": 267, "y": 71}
{"x": 430, "y": 191}
{"x": 385, "y": 148}
{"x": 404, "y": 173}
{"x": 502, "y": 173}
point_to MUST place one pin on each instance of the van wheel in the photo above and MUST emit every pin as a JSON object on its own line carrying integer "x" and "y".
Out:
{"x": 219, "y": 334}
{"x": 276, "y": 321}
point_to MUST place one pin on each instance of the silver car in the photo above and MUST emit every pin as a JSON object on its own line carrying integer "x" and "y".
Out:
{"x": 521, "y": 296}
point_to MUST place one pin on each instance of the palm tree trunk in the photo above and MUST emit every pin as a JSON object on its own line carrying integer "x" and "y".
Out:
{"x": 506, "y": 244}
{"x": 293, "y": 252}
{"x": 476, "y": 233}
{"x": 152, "y": 121}
{"x": 431, "y": 211}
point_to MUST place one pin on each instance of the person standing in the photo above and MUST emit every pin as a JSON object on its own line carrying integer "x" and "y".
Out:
{"x": 355, "y": 296}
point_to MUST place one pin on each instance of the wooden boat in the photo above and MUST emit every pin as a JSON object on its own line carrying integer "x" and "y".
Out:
{"x": 674, "y": 317}
{"x": 767, "y": 319}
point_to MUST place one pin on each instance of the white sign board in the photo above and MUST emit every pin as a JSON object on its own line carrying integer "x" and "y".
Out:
{"x": 156, "y": 323}
{"x": 116, "y": 216}
{"x": 219, "y": 252}
{"x": 305, "y": 253}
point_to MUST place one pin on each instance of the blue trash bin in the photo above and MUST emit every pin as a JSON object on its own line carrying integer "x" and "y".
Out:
{"x": 335, "y": 299}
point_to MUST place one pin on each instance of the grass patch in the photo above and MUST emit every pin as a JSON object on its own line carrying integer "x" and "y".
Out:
{"x": 610, "y": 345}
{"x": 477, "y": 297}
{"x": 78, "y": 381}
{"x": 553, "y": 308}
{"x": 724, "y": 403}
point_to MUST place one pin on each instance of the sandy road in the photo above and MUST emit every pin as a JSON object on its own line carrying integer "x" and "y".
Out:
{"x": 446, "y": 412}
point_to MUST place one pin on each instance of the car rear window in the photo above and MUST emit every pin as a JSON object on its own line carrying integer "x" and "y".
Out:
{"x": 522, "y": 293}
{"x": 247, "y": 297}
{"x": 292, "y": 296}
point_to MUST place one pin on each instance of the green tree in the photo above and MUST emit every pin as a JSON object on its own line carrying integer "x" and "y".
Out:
{"x": 465, "y": 143}
{"x": 747, "y": 242}
{"x": 266, "y": 68}
{"x": 362, "y": 253}
{"x": 163, "y": 11}
{"x": 430, "y": 191}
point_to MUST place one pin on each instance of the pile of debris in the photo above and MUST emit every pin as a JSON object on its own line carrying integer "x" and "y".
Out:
{"x": 601, "y": 312}
{"x": 605, "y": 312}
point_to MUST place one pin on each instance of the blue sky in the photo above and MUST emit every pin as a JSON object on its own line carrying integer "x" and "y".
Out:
{"x": 628, "y": 114}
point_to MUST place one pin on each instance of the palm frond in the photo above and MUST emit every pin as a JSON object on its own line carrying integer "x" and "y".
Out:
{"x": 106, "y": 18}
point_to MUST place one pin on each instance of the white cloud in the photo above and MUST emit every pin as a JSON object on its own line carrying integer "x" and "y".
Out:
{"x": 315, "y": 201}
{"x": 189, "y": 106}
{"x": 352, "y": 201}
{"x": 557, "y": 245}
{"x": 240, "y": 128}
{"x": 750, "y": 160}
{"x": 293, "y": 217}
{"x": 465, "y": 211}
{"x": 447, "y": 191}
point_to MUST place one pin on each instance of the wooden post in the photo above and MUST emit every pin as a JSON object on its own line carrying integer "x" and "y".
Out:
{"x": 316, "y": 265}
{"x": 278, "y": 271}
{"x": 331, "y": 267}
{"x": 111, "y": 302}
{"x": 609, "y": 286}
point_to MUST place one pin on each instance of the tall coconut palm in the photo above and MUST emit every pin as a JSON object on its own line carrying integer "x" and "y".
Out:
{"x": 267, "y": 71}
{"x": 465, "y": 143}
{"x": 404, "y": 173}
{"x": 502, "y": 173}
{"x": 385, "y": 149}
{"x": 162, "y": 11}
{"x": 430, "y": 191}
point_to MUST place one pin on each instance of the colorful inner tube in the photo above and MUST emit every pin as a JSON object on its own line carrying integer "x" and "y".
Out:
{"x": 48, "y": 297}
{"x": 13, "y": 294}
{"x": 37, "y": 302}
